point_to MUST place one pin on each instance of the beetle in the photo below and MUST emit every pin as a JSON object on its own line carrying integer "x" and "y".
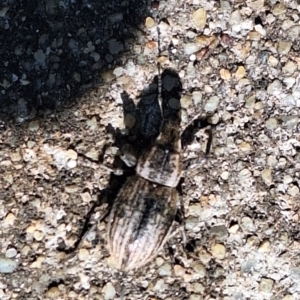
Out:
{"x": 142, "y": 215}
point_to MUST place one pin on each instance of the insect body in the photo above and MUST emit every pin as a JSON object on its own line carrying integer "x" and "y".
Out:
{"x": 142, "y": 215}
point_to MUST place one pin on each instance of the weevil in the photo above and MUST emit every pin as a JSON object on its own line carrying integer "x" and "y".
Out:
{"x": 142, "y": 215}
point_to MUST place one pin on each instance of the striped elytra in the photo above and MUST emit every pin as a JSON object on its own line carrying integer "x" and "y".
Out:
{"x": 140, "y": 222}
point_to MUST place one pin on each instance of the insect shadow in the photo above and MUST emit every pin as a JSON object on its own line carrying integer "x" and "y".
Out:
{"x": 143, "y": 123}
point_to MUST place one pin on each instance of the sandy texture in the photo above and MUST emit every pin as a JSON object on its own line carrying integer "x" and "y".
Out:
{"x": 239, "y": 66}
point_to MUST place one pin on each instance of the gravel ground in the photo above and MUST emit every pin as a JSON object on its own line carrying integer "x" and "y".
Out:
{"x": 65, "y": 67}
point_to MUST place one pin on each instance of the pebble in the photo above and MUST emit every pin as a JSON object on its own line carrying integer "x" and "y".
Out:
{"x": 204, "y": 256}
{"x": 225, "y": 175}
{"x": 11, "y": 252}
{"x": 199, "y": 17}
{"x": 225, "y": 74}
{"x": 191, "y": 223}
{"x": 247, "y": 224}
{"x": 165, "y": 270}
{"x": 109, "y": 291}
{"x": 289, "y": 100}
{"x": 234, "y": 228}
{"x": 273, "y": 61}
{"x": 240, "y": 73}
{"x": 219, "y": 231}
{"x": 190, "y": 48}
{"x": 287, "y": 179}
{"x": 190, "y": 71}
{"x": 259, "y": 105}
{"x": 185, "y": 101}
{"x": 195, "y": 209}
{"x": 212, "y": 104}
{"x": 264, "y": 246}
{"x": 271, "y": 123}
{"x": 118, "y": 71}
{"x": 293, "y": 190}
{"x": 34, "y": 125}
{"x": 40, "y": 56}
{"x": 266, "y": 285}
{"x": 15, "y": 157}
{"x": 290, "y": 121}
{"x": 159, "y": 261}
{"x": 159, "y": 285}
{"x": 244, "y": 146}
{"x": 179, "y": 271}
{"x": 266, "y": 175}
{"x": 275, "y": 88}
{"x": 71, "y": 154}
{"x": 197, "y": 98}
{"x": 86, "y": 197}
{"x": 214, "y": 119}
{"x": 279, "y": 9}
{"x": 245, "y": 175}
{"x": 289, "y": 68}
{"x": 83, "y": 254}
{"x": 252, "y": 241}
{"x": 53, "y": 292}
{"x": 71, "y": 164}
{"x": 272, "y": 161}
{"x": 248, "y": 265}
{"x": 150, "y": 23}
{"x": 284, "y": 47}
{"x": 38, "y": 235}
{"x": 93, "y": 154}
{"x": 71, "y": 189}
{"x": 235, "y": 18}
{"x": 3, "y": 11}
{"x": 199, "y": 269}
{"x": 250, "y": 102}
{"x": 295, "y": 273}
{"x": 289, "y": 82}
{"x": 198, "y": 288}
{"x": 195, "y": 297}
{"x": 9, "y": 220}
{"x": 218, "y": 251}
{"x": 7, "y": 265}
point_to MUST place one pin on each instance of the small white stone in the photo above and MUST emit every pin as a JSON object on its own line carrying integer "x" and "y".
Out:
{"x": 165, "y": 270}
{"x": 272, "y": 123}
{"x": 11, "y": 252}
{"x": 266, "y": 175}
{"x": 83, "y": 254}
{"x": 293, "y": 190}
{"x": 247, "y": 224}
{"x": 266, "y": 285}
{"x": 218, "y": 251}
{"x": 7, "y": 265}
{"x": 118, "y": 71}
{"x": 212, "y": 104}
{"x": 109, "y": 291}
{"x": 190, "y": 48}
{"x": 275, "y": 88}
{"x": 71, "y": 163}
{"x": 199, "y": 17}
{"x": 225, "y": 175}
